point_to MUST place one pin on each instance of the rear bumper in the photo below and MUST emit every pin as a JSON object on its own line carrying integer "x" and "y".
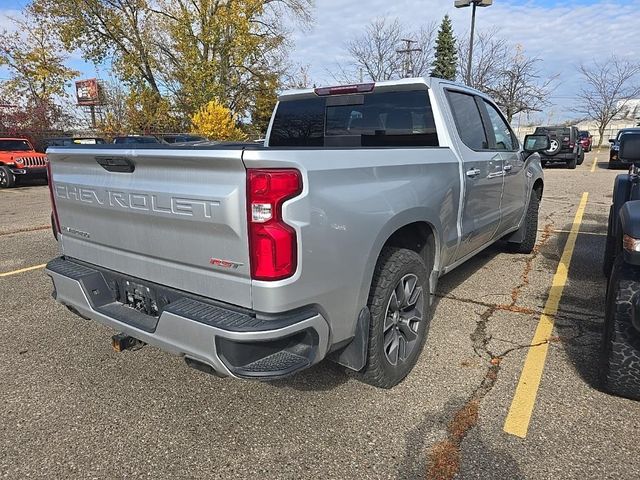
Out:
{"x": 232, "y": 341}
{"x": 561, "y": 157}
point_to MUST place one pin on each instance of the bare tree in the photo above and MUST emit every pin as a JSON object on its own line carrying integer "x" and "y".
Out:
{"x": 297, "y": 77}
{"x": 505, "y": 72}
{"x": 373, "y": 55}
{"x": 520, "y": 86}
{"x": 490, "y": 52}
{"x": 608, "y": 87}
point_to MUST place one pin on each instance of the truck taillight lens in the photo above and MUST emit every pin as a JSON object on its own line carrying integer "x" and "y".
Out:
{"x": 54, "y": 209}
{"x": 272, "y": 243}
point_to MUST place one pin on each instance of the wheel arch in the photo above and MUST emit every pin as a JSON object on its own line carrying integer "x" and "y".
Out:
{"x": 538, "y": 187}
{"x": 413, "y": 230}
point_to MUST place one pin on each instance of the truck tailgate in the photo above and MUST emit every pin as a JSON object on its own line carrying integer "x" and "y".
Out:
{"x": 178, "y": 219}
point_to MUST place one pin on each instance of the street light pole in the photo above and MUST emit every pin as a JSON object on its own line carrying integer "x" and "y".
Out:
{"x": 474, "y": 4}
{"x": 473, "y": 29}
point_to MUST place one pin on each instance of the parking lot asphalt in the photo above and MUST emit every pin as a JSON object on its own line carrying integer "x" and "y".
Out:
{"x": 70, "y": 407}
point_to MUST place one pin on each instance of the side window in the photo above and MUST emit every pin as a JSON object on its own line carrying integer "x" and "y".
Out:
{"x": 468, "y": 120}
{"x": 505, "y": 139}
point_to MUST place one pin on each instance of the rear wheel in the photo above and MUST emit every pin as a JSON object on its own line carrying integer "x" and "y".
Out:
{"x": 620, "y": 352}
{"x": 400, "y": 316}
{"x": 572, "y": 163}
{"x": 7, "y": 179}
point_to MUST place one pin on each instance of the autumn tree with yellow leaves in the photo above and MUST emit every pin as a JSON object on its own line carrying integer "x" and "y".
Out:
{"x": 33, "y": 56}
{"x": 188, "y": 52}
{"x": 216, "y": 122}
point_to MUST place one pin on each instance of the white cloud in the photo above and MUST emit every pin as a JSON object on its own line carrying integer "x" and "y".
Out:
{"x": 564, "y": 36}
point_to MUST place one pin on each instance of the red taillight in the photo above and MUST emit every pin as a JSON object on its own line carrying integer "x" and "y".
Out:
{"x": 345, "y": 89}
{"x": 56, "y": 220}
{"x": 272, "y": 243}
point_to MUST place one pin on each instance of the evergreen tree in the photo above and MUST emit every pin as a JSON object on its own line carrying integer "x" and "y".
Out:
{"x": 446, "y": 60}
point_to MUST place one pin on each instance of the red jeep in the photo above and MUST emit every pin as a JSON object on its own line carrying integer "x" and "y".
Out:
{"x": 18, "y": 159}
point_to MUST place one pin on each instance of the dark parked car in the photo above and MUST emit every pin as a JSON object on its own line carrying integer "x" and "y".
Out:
{"x": 614, "y": 161}
{"x": 69, "y": 141}
{"x": 620, "y": 353}
{"x": 183, "y": 138}
{"x": 137, "y": 139}
{"x": 586, "y": 140}
{"x": 565, "y": 145}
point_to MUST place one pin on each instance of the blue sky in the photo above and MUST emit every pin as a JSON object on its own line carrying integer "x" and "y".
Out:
{"x": 563, "y": 33}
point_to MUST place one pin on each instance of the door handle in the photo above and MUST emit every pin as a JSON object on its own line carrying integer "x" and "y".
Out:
{"x": 473, "y": 173}
{"x": 508, "y": 168}
{"x": 496, "y": 174}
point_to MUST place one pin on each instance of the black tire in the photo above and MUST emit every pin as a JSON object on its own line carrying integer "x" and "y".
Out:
{"x": 394, "y": 265}
{"x": 581, "y": 158}
{"x": 571, "y": 165}
{"x": 530, "y": 228}
{"x": 7, "y": 179}
{"x": 620, "y": 352}
{"x": 610, "y": 246}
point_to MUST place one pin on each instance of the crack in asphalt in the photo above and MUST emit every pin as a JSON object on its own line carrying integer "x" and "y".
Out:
{"x": 24, "y": 230}
{"x": 443, "y": 460}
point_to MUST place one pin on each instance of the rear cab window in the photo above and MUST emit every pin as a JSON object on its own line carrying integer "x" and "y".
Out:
{"x": 378, "y": 119}
{"x": 468, "y": 120}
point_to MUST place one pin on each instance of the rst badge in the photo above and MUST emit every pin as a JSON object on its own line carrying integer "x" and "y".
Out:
{"x": 218, "y": 262}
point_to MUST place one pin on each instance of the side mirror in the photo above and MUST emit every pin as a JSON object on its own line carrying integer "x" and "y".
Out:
{"x": 536, "y": 143}
{"x": 629, "y": 148}
{"x": 612, "y": 140}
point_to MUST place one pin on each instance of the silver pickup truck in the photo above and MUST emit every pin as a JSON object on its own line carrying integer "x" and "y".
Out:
{"x": 257, "y": 261}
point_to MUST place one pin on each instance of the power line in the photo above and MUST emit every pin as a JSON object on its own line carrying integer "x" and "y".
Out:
{"x": 408, "y": 56}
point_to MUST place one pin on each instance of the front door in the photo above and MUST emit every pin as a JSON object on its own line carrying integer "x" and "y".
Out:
{"x": 515, "y": 194}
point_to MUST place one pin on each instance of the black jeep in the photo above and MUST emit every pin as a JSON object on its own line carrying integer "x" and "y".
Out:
{"x": 565, "y": 146}
{"x": 620, "y": 353}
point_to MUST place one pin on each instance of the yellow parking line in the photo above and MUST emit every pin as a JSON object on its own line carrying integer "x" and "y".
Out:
{"x": 22, "y": 270}
{"x": 519, "y": 416}
{"x": 597, "y": 234}
{"x": 595, "y": 162}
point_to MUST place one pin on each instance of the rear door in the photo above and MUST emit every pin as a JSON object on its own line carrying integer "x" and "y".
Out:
{"x": 167, "y": 220}
{"x": 483, "y": 173}
{"x": 503, "y": 141}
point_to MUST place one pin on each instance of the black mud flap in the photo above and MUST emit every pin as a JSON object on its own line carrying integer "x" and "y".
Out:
{"x": 354, "y": 355}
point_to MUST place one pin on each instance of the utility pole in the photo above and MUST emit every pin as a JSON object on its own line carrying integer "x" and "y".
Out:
{"x": 408, "y": 57}
{"x": 474, "y": 4}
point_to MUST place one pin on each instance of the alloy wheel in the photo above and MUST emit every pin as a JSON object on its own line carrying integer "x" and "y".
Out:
{"x": 402, "y": 319}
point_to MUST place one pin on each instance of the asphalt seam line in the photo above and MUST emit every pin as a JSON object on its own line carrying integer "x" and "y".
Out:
{"x": 23, "y": 270}
{"x": 26, "y": 230}
{"x": 519, "y": 416}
